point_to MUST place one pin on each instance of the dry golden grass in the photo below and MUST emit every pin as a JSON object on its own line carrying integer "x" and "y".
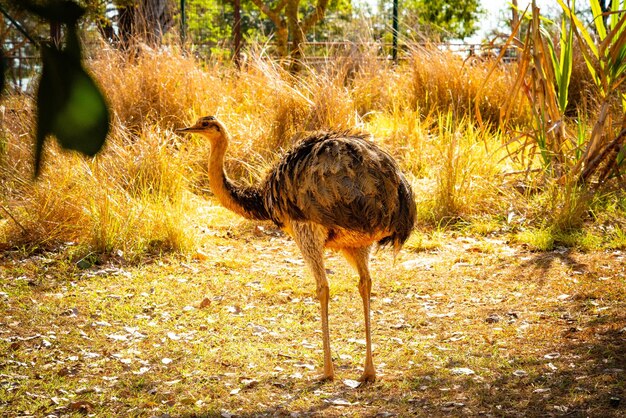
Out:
{"x": 441, "y": 80}
{"x": 145, "y": 169}
{"x": 155, "y": 86}
{"x": 134, "y": 196}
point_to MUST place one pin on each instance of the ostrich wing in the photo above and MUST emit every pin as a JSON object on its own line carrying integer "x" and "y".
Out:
{"x": 340, "y": 180}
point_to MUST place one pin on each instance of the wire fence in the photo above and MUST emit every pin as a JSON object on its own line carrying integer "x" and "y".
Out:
{"x": 23, "y": 63}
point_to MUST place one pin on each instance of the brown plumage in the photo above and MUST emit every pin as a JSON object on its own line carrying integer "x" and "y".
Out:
{"x": 332, "y": 190}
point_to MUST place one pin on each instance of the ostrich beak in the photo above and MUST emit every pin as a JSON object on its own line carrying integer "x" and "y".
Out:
{"x": 196, "y": 127}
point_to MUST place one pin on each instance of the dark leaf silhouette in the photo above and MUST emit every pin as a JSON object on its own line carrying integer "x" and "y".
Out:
{"x": 70, "y": 106}
{"x": 61, "y": 11}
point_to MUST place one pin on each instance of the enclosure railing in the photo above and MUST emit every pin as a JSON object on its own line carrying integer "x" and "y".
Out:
{"x": 23, "y": 62}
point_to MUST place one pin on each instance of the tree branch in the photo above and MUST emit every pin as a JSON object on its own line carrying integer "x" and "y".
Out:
{"x": 272, "y": 13}
{"x": 281, "y": 5}
{"x": 316, "y": 16}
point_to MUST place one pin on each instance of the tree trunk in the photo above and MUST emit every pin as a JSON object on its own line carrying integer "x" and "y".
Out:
{"x": 514, "y": 15}
{"x": 297, "y": 37}
{"x": 153, "y": 20}
{"x": 144, "y": 21}
{"x": 282, "y": 35}
{"x": 282, "y": 40}
{"x": 293, "y": 30}
{"x": 125, "y": 20}
{"x": 237, "y": 33}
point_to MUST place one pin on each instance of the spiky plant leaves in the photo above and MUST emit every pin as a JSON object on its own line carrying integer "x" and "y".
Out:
{"x": 563, "y": 64}
{"x": 598, "y": 19}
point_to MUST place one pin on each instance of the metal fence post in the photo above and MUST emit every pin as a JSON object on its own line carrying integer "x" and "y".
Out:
{"x": 183, "y": 23}
{"x": 394, "y": 48}
{"x": 237, "y": 33}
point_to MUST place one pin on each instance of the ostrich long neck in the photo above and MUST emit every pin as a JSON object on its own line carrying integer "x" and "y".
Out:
{"x": 244, "y": 201}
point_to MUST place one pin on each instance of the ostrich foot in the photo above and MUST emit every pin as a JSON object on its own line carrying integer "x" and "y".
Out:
{"x": 367, "y": 377}
{"x": 324, "y": 378}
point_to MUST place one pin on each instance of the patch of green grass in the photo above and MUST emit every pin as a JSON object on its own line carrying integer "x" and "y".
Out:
{"x": 617, "y": 239}
{"x": 585, "y": 240}
{"x": 420, "y": 241}
{"x": 483, "y": 226}
{"x": 537, "y": 239}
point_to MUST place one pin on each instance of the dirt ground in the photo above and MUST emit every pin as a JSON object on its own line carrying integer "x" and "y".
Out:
{"x": 472, "y": 326}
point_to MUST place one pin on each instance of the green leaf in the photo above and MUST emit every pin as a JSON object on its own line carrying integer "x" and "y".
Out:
{"x": 582, "y": 30}
{"x": 566, "y": 58}
{"x": 598, "y": 18}
{"x": 69, "y": 106}
{"x": 614, "y": 16}
{"x": 553, "y": 58}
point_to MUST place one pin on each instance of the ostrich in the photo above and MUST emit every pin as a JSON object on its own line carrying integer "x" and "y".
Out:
{"x": 332, "y": 190}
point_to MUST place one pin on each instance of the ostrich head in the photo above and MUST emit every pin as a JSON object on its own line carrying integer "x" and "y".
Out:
{"x": 210, "y": 127}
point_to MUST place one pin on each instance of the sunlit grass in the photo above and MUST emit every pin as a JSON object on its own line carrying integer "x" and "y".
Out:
{"x": 537, "y": 239}
{"x": 141, "y": 194}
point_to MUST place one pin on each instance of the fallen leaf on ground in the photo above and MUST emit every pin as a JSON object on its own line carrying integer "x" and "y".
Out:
{"x": 81, "y": 406}
{"x": 304, "y": 365}
{"x": 200, "y": 255}
{"x": 353, "y": 384}
{"x": 552, "y": 356}
{"x": 462, "y": 371}
{"x": 340, "y": 402}
{"x": 204, "y": 303}
{"x": 249, "y": 383}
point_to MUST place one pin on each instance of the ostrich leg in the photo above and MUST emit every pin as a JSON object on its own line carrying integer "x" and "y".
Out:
{"x": 359, "y": 258}
{"x": 310, "y": 239}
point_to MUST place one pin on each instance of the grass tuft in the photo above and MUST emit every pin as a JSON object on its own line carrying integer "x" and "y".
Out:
{"x": 537, "y": 239}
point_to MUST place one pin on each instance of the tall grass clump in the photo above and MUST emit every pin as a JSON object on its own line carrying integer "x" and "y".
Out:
{"x": 582, "y": 155}
{"x": 155, "y": 85}
{"x": 147, "y": 164}
{"x": 139, "y": 204}
{"x": 268, "y": 103}
{"x": 466, "y": 171}
{"x": 128, "y": 198}
{"x": 443, "y": 80}
{"x": 120, "y": 200}
{"x": 455, "y": 166}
